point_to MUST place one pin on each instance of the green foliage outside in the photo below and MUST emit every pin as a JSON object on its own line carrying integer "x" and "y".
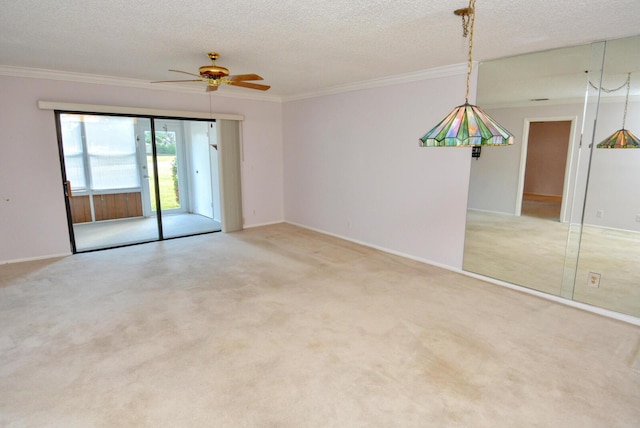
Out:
{"x": 166, "y": 149}
{"x": 174, "y": 177}
{"x": 165, "y": 142}
{"x": 169, "y": 197}
{"x": 167, "y": 169}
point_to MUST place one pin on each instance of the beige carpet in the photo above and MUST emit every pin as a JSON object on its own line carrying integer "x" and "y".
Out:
{"x": 282, "y": 327}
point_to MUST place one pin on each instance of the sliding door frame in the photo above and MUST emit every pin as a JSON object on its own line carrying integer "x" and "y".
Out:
{"x": 228, "y": 171}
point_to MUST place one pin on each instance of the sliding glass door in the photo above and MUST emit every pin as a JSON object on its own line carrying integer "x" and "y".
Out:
{"x": 187, "y": 174}
{"x": 134, "y": 179}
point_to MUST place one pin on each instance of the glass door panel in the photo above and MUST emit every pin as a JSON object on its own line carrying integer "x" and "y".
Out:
{"x": 187, "y": 178}
{"x": 105, "y": 180}
{"x": 168, "y": 134}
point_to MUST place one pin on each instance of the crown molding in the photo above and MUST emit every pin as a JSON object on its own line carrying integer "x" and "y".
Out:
{"x": 39, "y": 73}
{"x": 433, "y": 73}
{"x": 96, "y": 79}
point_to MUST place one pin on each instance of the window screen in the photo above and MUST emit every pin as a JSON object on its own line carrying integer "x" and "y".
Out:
{"x": 100, "y": 152}
{"x": 73, "y": 151}
{"x": 111, "y": 150}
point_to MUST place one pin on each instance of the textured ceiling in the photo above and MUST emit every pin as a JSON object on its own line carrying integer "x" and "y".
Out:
{"x": 298, "y": 46}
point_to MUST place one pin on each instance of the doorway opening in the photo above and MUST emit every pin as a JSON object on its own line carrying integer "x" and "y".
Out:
{"x": 132, "y": 179}
{"x": 546, "y": 158}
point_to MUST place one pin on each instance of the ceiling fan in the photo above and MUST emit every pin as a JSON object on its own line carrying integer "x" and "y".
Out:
{"x": 216, "y": 75}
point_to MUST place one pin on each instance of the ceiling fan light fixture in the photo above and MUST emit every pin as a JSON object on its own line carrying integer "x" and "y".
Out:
{"x": 213, "y": 71}
{"x": 467, "y": 125}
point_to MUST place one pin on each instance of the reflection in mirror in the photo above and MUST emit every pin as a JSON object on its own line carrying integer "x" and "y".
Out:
{"x": 608, "y": 273}
{"x": 517, "y": 194}
{"x": 527, "y": 201}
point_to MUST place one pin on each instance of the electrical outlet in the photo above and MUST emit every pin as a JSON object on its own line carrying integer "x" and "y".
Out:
{"x": 593, "y": 280}
{"x": 599, "y": 213}
{"x": 637, "y": 217}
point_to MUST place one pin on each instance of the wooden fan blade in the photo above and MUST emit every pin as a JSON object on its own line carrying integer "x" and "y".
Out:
{"x": 250, "y": 85}
{"x": 167, "y": 81}
{"x": 239, "y": 77}
{"x": 186, "y": 72}
{"x": 211, "y": 88}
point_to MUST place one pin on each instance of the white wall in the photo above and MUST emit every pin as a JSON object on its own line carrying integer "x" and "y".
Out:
{"x": 32, "y": 211}
{"x": 352, "y": 165}
{"x": 353, "y": 168}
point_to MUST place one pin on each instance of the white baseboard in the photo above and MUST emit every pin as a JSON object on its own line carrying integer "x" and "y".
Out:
{"x": 30, "y": 259}
{"x": 376, "y": 247}
{"x": 578, "y": 305}
{"x": 249, "y": 226}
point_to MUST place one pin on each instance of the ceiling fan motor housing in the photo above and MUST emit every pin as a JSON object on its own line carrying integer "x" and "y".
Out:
{"x": 213, "y": 71}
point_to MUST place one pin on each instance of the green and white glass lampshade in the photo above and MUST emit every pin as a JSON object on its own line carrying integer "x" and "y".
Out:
{"x": 621, "y": 139}
{"x": 467, "y": 125}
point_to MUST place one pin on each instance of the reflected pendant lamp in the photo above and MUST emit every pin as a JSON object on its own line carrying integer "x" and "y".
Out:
{"x": 622, "y": 138}
{"x": 467, "y": 125}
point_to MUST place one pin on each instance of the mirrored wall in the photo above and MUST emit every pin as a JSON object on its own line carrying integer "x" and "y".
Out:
{"x": 554, "y": 212}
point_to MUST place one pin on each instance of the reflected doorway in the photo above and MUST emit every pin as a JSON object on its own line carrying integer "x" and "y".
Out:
{"x": 546, "y": 151}
{"x": 131, "y": 180}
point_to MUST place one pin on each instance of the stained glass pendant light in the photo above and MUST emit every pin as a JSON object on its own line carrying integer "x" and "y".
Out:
{"x": 622, "y": 138}
{"x": 467, "y": 125}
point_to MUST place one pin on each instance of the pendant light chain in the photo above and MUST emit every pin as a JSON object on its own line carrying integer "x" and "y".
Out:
{"x": 210, "y": 113}
{"x": 626, "y": 101}
{"x": 467, "y": 125}
{"x": 468, "y": 21}
{"x": 608, "y": 91}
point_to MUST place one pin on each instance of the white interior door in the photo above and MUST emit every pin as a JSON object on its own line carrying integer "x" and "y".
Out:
{"x": 200, "y": 169}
